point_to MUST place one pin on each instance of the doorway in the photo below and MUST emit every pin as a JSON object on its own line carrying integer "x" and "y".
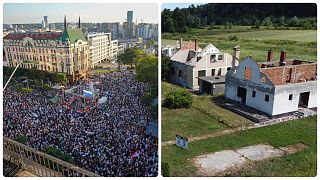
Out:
{"x": 304, "y": 99}
{"x": 242, "y": 93}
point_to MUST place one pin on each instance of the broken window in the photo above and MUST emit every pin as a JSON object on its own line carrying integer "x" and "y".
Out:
{"x": 248, "y": 73}
{"x": 202, "y": 73}
{"x": 263, "y": 80}
{"x": 212, "y": 58}
{"x": 219, "y": 72}
{"x": 290, "y": 96}
{"x": 220, "y": 57}
{"x": 229, "y": 68}
{"x": 253, "y": 93}
{"x": 180, "y": 73}
{"x": 266, "y": 98}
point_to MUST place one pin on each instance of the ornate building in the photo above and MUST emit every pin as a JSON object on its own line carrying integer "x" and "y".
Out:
{"x": 66, "y": 51}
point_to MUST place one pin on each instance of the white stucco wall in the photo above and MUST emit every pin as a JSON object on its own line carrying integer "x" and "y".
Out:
{"x": 282, "y": 104}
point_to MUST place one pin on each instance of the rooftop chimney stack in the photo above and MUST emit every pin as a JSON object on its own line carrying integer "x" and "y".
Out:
{"x": 283, "y": 57}
{"x": 270, "y": 55}
{"x": 180, "y": 42}
{"x": 195, "y": 44}
{"x": 235, "y": 55}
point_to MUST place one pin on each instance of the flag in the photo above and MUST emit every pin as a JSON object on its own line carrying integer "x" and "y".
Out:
{"x": 136, "y": 153}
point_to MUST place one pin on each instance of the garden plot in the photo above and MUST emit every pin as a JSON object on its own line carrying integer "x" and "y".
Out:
{"x": 223, "y": 162}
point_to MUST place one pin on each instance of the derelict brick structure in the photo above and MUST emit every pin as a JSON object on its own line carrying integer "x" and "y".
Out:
{"x": 273, "y": 87}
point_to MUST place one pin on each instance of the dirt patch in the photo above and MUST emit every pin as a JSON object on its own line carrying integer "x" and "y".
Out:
{"x": 223, "y": 162}
{"x": 291, "y": 149}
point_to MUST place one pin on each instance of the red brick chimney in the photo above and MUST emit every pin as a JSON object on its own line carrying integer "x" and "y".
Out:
{"x": 283, "y": 57}
{"x": 195, "y": 44}
{"x": 180, "y": 42}
{"x": 270, "y": 55}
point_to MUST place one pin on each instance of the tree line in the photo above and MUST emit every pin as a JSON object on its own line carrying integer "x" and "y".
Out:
{"x": 250, "y": 14}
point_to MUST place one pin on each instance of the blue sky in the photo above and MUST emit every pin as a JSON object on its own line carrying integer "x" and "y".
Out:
{"x": 172, "y": 6}
{"x": 15, "y": 13}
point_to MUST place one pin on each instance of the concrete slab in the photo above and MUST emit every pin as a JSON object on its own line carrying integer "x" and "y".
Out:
{"x": 215, "y": 163}
{"x": 260, "y": 152}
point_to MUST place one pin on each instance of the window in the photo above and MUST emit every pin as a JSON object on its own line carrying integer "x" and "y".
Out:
{"x": 202, "y": 73}
{"x": 290, "y": 96}
{"x": 220, "y": 57}
{"x": 248, "y": 73}
{"x": 212, "y": 58}
{"x": 253, "y": 93}
{"x": 213, "y": 72}
{"x": 266, "y": 98}
{"x": 229, "y": 68}
{"x": 180, "y": 73}
{"x": 219, "y": 72}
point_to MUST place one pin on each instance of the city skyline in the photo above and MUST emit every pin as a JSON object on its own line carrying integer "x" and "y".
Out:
{"x": 15, "y": 13}
{"x": 172, "y": 6}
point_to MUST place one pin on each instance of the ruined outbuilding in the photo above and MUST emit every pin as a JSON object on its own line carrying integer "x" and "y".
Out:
{"x": 273, "y": 87}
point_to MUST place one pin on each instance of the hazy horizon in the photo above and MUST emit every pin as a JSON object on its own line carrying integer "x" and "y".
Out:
{"x": 15, "y": 13}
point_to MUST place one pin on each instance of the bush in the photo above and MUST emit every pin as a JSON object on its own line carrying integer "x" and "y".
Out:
{"x": 233, "y": 38}
{"x": 178, "y": 98}
{"x": 165, "y": 169}
{"x": 58, "y": 154}
{"x": 21, "y": 139}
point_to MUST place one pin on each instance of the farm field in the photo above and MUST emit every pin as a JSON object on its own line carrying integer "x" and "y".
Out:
{"x": 299, "y": 44}
{"x": 299, "y": 164}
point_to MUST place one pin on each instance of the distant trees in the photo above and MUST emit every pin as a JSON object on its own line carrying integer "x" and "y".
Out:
{"x": 259, "y": 14}
{"x": 165, "y": 62}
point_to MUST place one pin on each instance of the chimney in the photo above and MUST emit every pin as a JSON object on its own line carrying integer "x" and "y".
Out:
{"x": 283, "y": 57}
{"x": 235, "y": 55}
{"x": 195, "y": 44}
{"x": 180, "y": 42}
{"x": 270, "y": 55}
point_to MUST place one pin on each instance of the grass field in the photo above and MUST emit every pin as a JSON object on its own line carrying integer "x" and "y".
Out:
{"x": 202, "y": 118}
{"x": 299, "y": 164}
{"x": 299, "y": 44}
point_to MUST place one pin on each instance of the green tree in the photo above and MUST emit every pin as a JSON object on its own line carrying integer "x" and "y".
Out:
{"x": 147, "y": 69}
{"x": 150, "y": 44}
{"x": 58, "y": 154}
{"x": 165, "y": 68}
{"x": 130, "y": 55}
{"x": 61, "y": 78}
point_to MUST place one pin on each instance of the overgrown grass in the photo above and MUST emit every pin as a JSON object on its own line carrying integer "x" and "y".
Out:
{"x": 283, "y": 134}
{"x": 204, "y": 117}
{"x": 299, "y": 44}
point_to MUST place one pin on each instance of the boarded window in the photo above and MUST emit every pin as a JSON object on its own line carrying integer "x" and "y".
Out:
{"x": 248, "y": 73}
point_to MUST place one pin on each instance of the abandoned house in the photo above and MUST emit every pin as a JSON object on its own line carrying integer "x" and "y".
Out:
{"x": 273, "y": 87}
{"x": 190, "y": 63}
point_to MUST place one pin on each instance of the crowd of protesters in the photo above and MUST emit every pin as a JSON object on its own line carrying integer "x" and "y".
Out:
{"x": 105, "y": 138}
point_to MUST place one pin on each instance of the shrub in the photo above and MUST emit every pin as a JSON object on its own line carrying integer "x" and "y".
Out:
{"x": 233, "y": 38}
{"x": 165, "y": 169}
{"x": 146, "y": 98}
{"x": 21, "y": 139}
{"x": 178, "y": 98}
{"x": 58, "y": 154}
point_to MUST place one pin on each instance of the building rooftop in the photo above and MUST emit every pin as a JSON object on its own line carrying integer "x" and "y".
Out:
{"x": 74, "y": 35}
{"x": 36, "y": 36}
{"x": 213, "y": 79}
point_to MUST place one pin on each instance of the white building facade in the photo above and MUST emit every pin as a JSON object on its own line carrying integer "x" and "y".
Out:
{"x": 102, "y": 48}
{"x": 274, "y": 88}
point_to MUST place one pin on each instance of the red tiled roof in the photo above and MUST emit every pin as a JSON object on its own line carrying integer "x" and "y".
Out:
{"x": 188, "y": 45}
{"x": 36, "y": 36}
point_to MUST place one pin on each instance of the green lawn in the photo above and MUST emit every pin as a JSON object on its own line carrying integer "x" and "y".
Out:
{"x": 202, "y": 118}
{"x": 299, "y": 44}
{"x": 299, "y": 164}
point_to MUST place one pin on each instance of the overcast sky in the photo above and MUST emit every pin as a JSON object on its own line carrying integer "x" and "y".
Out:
{"x": 20, "y": 13}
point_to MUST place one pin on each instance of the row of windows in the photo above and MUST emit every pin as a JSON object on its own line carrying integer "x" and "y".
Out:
{"x": 266, "y": 96}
